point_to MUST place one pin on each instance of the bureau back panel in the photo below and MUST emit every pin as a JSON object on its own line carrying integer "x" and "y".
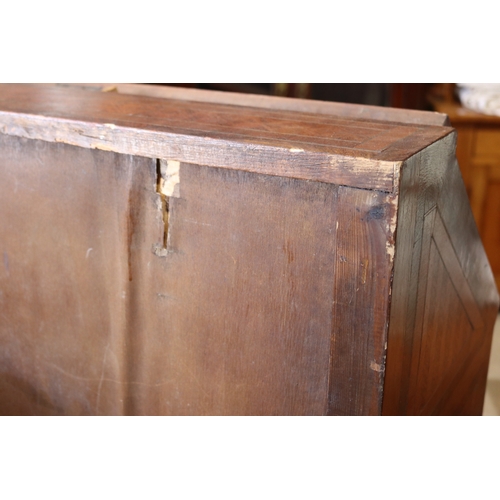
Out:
{"x": 235, "y": 317}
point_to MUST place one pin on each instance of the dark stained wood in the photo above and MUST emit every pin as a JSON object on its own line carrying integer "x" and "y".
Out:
{"x": 478, "y": 154}
{"x": 441, "y": 318}
{"x": 260, "y": 281}
{"x": 363, "y": 268}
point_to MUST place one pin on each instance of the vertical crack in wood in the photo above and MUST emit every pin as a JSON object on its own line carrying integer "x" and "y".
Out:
{"x": 167, "y": 186}
{"x": 164, "y": 201}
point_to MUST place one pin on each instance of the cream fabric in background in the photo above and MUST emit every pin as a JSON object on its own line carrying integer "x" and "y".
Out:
{"x": 481, "y": 97}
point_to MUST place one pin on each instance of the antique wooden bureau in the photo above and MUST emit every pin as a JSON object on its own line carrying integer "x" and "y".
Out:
{"x": 183, "y": 252}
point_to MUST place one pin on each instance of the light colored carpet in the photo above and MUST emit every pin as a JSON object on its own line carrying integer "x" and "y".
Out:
{"x": 492, "y": 398}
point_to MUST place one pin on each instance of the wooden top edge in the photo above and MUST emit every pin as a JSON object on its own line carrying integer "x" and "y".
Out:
{"x": 349, "y": 110}
{"x": 345, "y": 151}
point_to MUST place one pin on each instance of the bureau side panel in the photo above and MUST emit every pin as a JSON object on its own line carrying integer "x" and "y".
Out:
{"x": 444, "y": 297}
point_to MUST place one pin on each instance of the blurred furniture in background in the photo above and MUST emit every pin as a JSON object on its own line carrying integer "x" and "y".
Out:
{"x": 396, "y": 95}
{"x": 478, "y": 155}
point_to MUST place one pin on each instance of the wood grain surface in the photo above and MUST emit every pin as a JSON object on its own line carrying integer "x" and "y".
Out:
{"x": 441, "y": 317}
{"x": 271, "y": 102}
{"x": 234, "y": 319}
{"x": 164, "y": 257}
{"x": 64, "y": 278}
{"x": 478, "y": 155}
{"x": 363, "y": 272}
{"x": 344, "y": 151}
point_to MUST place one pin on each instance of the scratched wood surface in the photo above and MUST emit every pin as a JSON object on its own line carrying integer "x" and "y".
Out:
{"x": 363, "y": 272}
{"x": 64, "y": 278}
{"x": 273, "y": 142}
{"x": 271, "y": 280}
{"x": 235, "y": 319}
